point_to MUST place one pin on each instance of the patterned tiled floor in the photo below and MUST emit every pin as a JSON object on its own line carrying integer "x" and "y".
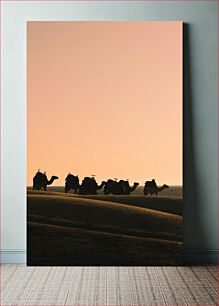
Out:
{"x": 21, "y": 285}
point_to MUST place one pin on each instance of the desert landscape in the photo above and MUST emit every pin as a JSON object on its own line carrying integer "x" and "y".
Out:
{"x": 104, "y": 143}
{"x": 90, "y": 230}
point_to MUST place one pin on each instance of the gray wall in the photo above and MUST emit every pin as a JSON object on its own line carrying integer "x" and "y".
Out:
{"x": 200, "y": 111}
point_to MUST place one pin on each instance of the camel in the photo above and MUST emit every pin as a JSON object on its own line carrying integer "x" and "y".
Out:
{"x": 119, "y": 188}
{"x": 89, "y": 186}
{"x": 128, "y": 189}
{"x": 151, "y": 188}
{"x": 72, "y": 182}
{"x": 40, "y": 181}
{"x": 114, "y": 187}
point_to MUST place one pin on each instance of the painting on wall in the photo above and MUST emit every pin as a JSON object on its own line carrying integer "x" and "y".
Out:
{"x": 104, "y": 143}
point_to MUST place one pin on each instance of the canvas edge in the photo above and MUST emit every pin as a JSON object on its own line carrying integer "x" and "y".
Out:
{"x": 190, "y": 257}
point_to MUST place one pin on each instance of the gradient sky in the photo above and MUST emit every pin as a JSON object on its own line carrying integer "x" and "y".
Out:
{"x": 105, "y": 98}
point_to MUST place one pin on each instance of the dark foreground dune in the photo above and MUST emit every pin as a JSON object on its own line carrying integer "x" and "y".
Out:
{"x": 73, "y": 230}
{"x": 57, "y": 245}
{"x": 172, "y": 205}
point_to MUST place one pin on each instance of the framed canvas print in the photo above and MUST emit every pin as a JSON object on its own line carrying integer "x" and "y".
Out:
{"x": 104, "y": 143}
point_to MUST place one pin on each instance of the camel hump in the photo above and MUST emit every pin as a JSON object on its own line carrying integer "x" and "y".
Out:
{"x": 71, "y": 177}
{"x": 151, "y": 183}
{"x": 38, "y": 174}
{"x": 87, "y": 178}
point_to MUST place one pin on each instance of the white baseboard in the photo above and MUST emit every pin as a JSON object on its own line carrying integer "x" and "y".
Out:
{"x": 13, "y": 256}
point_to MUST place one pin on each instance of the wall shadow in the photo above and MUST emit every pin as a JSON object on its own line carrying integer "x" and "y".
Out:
{"x": 193, "y": 226}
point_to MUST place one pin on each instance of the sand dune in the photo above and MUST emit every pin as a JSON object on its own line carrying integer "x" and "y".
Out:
{"x": 108, "y": 230}
{"x": 48, "y": 193}
{"x": 173, "y": 191}
{"x": 102, "y": 212}
{"x": 172, "y": 205}
{"x": 57, "y": 245}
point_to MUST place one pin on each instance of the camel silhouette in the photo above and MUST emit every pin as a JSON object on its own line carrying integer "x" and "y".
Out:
{"x": 72, "y": 182}
{"x": 119, "y": 188}
{"x": 89, "y": 186}
{"x": 40, "y": 181}
{"x": 151, "y": 188}
{"x": 128, "y": 189}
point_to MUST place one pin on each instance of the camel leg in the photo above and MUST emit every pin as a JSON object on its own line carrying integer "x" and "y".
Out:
{"x": 106, "y": 191}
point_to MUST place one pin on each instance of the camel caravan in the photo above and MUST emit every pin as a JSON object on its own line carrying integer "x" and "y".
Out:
{"x": 89, "y": 186}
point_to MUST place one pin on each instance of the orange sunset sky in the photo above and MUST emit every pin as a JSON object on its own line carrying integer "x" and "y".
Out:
{"x": 105, "y": 98}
